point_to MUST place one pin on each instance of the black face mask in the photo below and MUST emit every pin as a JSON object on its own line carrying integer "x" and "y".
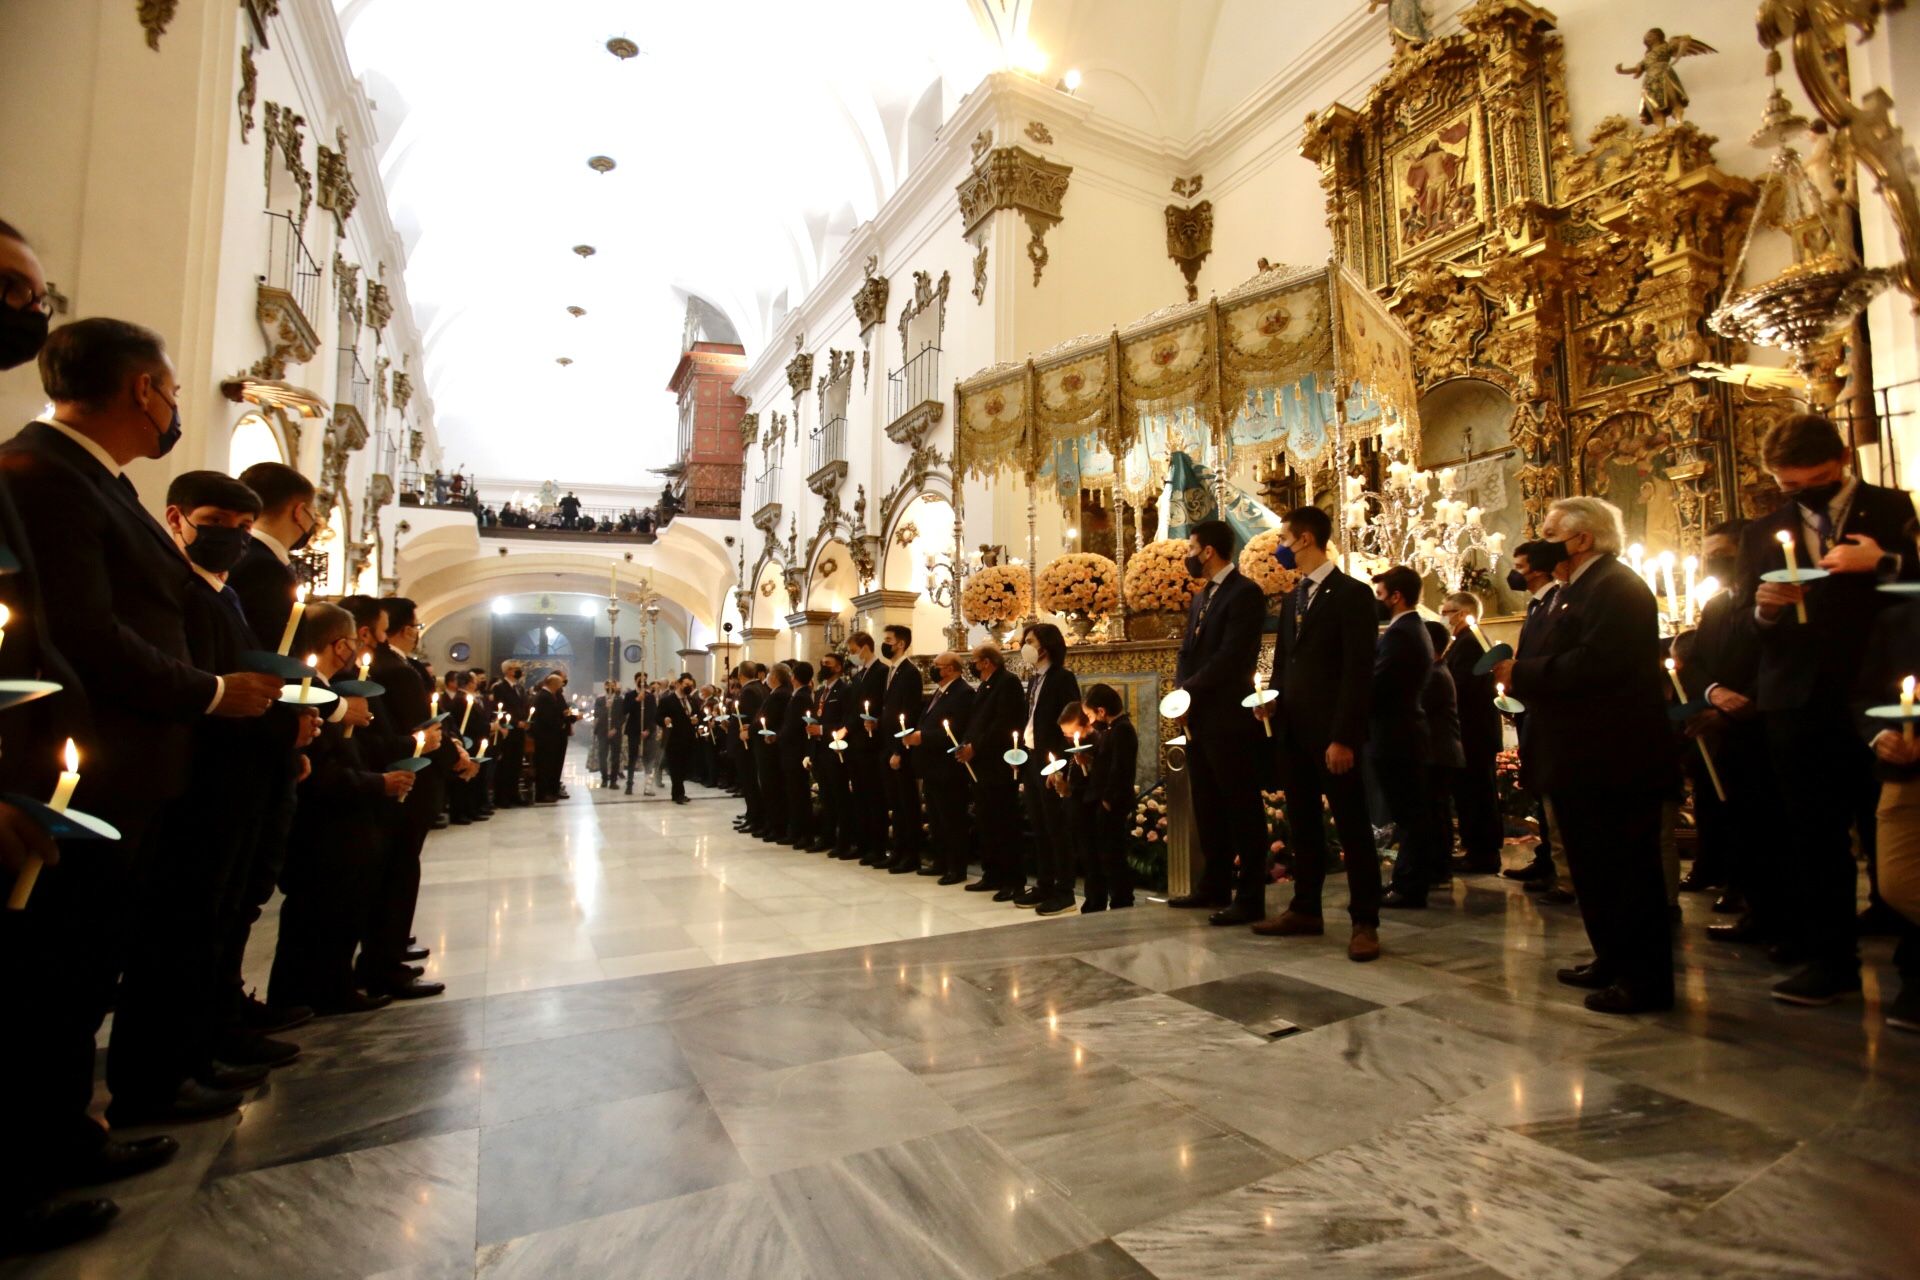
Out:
{"x": 1723, "y": 568}
{"x": 1382, "y": 610}
{"x": 22, "y": 334}
{"x": 1516, "y": 580}
{"x": 217, "y": 548}
{"x": 886, "y": 650}
{"x": 169, "y": 437}
{"x": 1195, "y": 567}
{"x": 300, "y": 543}
{"x": 1817, "y": 498}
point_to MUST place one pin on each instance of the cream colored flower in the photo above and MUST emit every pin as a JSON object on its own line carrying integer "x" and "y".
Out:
{"x": 1157, "y": 578}
{"x": 1080, "y": 582}
{"x": 1257, "y": 562}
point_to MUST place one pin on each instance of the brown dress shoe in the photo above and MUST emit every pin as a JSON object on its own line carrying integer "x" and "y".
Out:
{"x": 1365, "y": 944}
{"x": 1290, "y": 924}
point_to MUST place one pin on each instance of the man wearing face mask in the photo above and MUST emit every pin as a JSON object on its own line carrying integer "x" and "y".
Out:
{"x": 903, "y": 689}
{"x": 869, "y": 747}
{"x": 1532, "y": 572}
{"x": 1858, "y": 533}
{"x": 264, "y": 577}
{"x": 1217, "y": 667}
{"x": 1049, "y": 689}
{"x": 1603, "y": 754}
{"x": 678, "y": 717}
{"x": 998, "y": 712}
{"x": 25, "y": 308}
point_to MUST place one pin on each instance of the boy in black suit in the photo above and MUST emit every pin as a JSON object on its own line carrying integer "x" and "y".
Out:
{"x": 1397, "y": 737}
{"x": 1109, "y": 797}
{"x": 1862, "y": 535}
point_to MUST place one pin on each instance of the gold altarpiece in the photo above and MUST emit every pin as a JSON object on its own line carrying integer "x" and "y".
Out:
{"x": 1574, "y": 279}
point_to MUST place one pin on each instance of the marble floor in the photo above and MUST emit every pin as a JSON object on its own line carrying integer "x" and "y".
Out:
{"x": 669, "y": 1052}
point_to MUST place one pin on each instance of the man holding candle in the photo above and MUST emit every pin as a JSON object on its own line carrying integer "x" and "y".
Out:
{"x": 766, "y": 735}
{"x": 264, "y": 577}
{"x": 551, "y": 722}
{"x": 1475, "y": 791}
{"x": 1534, "y": 566}
{"x": 1860, "y": 534}
{"x": 752, "y": 696}
{"x": 1593, "y": 687}
{"x": 830, "y": 766}
{"x": 1398, "y": 738}
{"x": 868, "y": 751}
{"x": 679, "y": 716}
{"x": 944, "y": 778}
{"x": 900, "y": 708}
{"x": 1050, "y": 688}
{"x": 998, "y": 713}
{"x": 510, "y": 695}
{"x": 1218, "y": 668}
{"x": 1887, "y": 679}
{"x": 793, "y": 741}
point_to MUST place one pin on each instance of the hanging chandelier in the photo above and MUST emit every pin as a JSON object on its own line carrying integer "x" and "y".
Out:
{"x": 1415, "y": 519}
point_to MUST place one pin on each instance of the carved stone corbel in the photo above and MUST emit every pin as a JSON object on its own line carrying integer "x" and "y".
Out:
{"x": 1012, "y": 178}
{"x": 749, "y": 430}
{"x": 154, "y": 17}
{"x": 379, "y": 302}
{"x": 346, "y": 280}
{"x": 286, "y": 138}
{"x": 337, "y": 192}
{"x": 289, "y": 335}
{"x": 799, "y": 372}
{"x": 1189, "y": 241}
{"x": 402, "y": 390}
{"x": 870, "y": 309}
{"x": 249, "y": 91}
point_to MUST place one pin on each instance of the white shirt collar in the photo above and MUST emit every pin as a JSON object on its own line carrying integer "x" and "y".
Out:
{"x": 1221, "y": 576}
{"x": 1582, "y": 567}
{"x": 274, "y": 545}
{"x": 1318, "y": 577}
{"x": 88, "y": 443}
{"x": 1541, "y": 594}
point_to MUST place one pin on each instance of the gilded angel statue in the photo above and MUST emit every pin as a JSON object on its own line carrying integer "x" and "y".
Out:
{"x": 1406, "y": 22}
{"x": 1663, "y": 99}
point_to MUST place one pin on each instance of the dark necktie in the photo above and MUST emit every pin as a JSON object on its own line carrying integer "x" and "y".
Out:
{"x": 1206, "y": 603}
{"x": 1302, "y": 597}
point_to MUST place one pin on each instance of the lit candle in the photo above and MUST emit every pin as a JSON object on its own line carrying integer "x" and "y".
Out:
{"x": 366, "y": 660}
{"x": 62, "y": 793}
{"x": 306, "y": 682}
{"x": 1473, "y": 625}
{"x": 948, "y": 726}
{"x": 433, "y": 705}
{"x": 1706, "y": 757}
{"x": 480, "y": 752}
{"x": 1499, "y": 691}
{"x": 1634, "y": 555}
{"x": 293, "y": 620}
{"x": 464, "y": 714}
{"x": 419, "y": 743}
{"x": 6, "y": 616}
{"x": 1692, "y": 565}
{"x": 1906, "y": 708}
{"x": 1793, "y": 571}
{"x": 903, "y": 722}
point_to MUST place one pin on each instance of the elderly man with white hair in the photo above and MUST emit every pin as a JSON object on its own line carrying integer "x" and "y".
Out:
{"x": 1603, "y": 753}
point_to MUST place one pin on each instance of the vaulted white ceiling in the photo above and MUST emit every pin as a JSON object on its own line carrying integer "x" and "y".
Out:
{"x": 751, "y": 138}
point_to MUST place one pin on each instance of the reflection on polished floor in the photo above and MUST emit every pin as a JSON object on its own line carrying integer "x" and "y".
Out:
{"x": 671, "y": 1052}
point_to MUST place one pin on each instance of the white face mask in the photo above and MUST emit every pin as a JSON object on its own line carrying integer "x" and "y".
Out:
{"x": 1030, "y": 652}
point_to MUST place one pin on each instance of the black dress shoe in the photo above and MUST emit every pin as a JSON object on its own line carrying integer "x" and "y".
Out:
{"x": 1197, "y": 900}
{"x": 1745, "y": 929}
{"x": 191, "y": 1101}
{"x": 1617, "y": 999}
{"x": 55, "y": 1226}
{"x": 1028, "y": 899}
{"x": 1820, "y": 983}
{"x": 352, "y": 1002}
{"x": 1405, "y": 901}
{"x": 226, "y": 1075}
{"x": 244, "y": 1049}
{"x": 982, "y": 885}
{"x": 929, "y": 871}
{"x": 416, "y": 953}
{"x": 1236, "y": 915}
{"x": 1589, "y": 976}
{"x": 903, "y": 867}
{"x": 955, "y": 877}
{"x": 1055, "y": 906}
{"x": 1006, "y": 893}
{"x": 413, "y": 989}
{"x": 118, "y": 1158}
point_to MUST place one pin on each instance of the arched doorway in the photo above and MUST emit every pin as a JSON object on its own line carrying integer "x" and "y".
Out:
{"x": 253, "y": 440}
{"x": 1466, "y": 424}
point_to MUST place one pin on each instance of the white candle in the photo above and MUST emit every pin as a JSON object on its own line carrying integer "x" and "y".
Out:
{"x": 480, "y": 751}
{"x": 366, "y": 660}
{"x": 306, "y": 682}
{"x": 1473, "y": 625}
{"x": 464, "y": 714}
{"x": 62, "y": 792}
{"x": 1706, "y": 757}
{"x": 70, "y": 778}
{"x": 6, "y": 616}
{"x": 1793, "y": 571}
{"x": 1692, "y": 565}
{"x": 1906, "y": 709}
{"x": 293, "y": 620}
{"x": 419, "y": 743}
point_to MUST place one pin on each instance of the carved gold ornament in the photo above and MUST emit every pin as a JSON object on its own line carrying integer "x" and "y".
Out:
{"x": 154, "y": 17}
{"x": 1016, "y": 179}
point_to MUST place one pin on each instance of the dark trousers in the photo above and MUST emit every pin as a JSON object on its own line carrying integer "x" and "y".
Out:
{"x": 1475, "y": 793}
{"x": 799, "y": 787}
{"x": 1403, "y": 783}
{"x": 746, "y": 770}
{"x": 1823, "y": 766}
{"x": 1308, "y": 781}
{"x": 329, "y": 885}
{"x": 1737, "y": 846}
{"x": 679, "y": 764}
{"x": 251, "y": 889}
{"x": 510, "y": 751}
{"x": 1104, "y": 856}
{"x": 869, "y": 803}
{"x": 549, "y": 756}
{"x": 396, "y": 877}
{"x": 1231, "y": 820}
{"x": 610, "y": 757}
{"x": 831, "y": 774}
{"x": 773, "y": 792}
{"x": 946, "y": 801}
{"x": 1612, "y": 839}
{"x": 903, "y": 808}
{"x": 996, "y": 818}
{"x": 169, "y": 1008}
{"x": 1051, "y": 821}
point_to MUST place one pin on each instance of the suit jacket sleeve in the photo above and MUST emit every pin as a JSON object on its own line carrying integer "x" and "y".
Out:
{"x": 1232, "y": 662}
{"x": 1399, "y": 672}
{"x": 1614, "y": 621}
{"x": 1122, "y": 749}
{"x": 113, "y": 660}
{"x": 1354, "y": 687}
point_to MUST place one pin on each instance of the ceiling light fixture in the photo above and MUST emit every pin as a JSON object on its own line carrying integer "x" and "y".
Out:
{"x": 1071, "y": 81}
{"x": 601, "y": 164}
{"x": 585, "y": 250}
{"x": 563, "y": 361}
{"x": 622, "y": 48}
{"x": 576, "y": 312}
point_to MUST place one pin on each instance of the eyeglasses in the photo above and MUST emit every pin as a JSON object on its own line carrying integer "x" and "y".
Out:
{"x": 21, "y": 295}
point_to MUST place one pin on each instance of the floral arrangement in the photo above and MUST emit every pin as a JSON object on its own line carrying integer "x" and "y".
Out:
{"x": 1157, "y": 578}
{"x": 1080, "y": 582}
{"x": 1257, "y": 562}
{"x": 1147, "y": 843}
{"x": 996, "y": 594}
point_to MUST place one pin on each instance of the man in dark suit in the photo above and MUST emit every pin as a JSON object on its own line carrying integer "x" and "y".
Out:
{"x": 1217, "y": 667}
{"x": 773, "y": 785}
{"x": 1323, "y": 672}
{"x": 870, "y": 747}
{"x": 115, "y": 583}
{"x": 1445, "y": 757}
{"x": 386, "y": 951}
{"x": 510, "y": 696}
{"x": 1050, "y": 688}
{"x": 795, "y": 772}
{"x": 552, "y": 721}
{"x": 1862, "y": 535}
{"x": 1475, "y": 789}
{"x": 635, "y": 725}
{"x": 903, "y": 698}
{"x": 1397, "y": 737}
{"x": 1532, "y": 572}
{"x": 833, "y": 722}
{"x": 998, "y": 712}
{"x": 746, "y": 706}
{"x": 944, "y": 780}
{"x": 1888, "y": 660}
{"x": 679, "y": 716}
{"x": 264, "y": 579}
{"x": 1603, "y": 754}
